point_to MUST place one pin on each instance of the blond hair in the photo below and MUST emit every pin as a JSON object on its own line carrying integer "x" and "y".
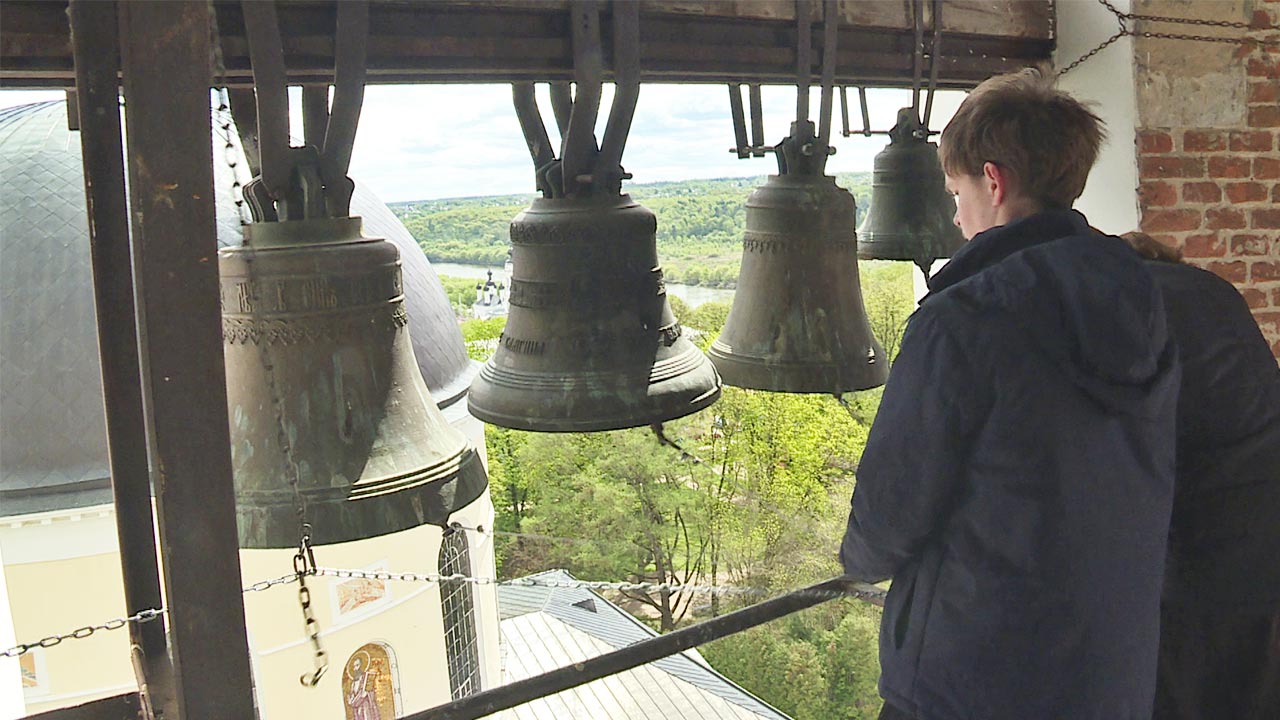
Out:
{"x": 1045, "y": 138}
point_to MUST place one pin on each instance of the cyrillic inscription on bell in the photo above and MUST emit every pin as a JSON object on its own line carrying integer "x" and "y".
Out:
{"x": 591, "y": 342}
{"x": 322, "y": 386}
{"x": 911, "y": 213}
{"x": 798, "y": 323}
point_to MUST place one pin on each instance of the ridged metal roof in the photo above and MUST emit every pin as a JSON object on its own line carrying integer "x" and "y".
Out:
{"x": 544, "y": 628}
{"x": 53, "y": 451}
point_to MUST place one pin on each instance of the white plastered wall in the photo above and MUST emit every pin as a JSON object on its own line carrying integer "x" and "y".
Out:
{"x": 1110, "y": 199}
{"x": 11, "y": 703}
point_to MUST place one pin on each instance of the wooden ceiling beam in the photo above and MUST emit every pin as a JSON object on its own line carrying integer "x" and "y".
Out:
{"x": 504, "y": 41}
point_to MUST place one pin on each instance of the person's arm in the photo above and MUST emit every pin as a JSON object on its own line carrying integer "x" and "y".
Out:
{"x": 913, "y": 468}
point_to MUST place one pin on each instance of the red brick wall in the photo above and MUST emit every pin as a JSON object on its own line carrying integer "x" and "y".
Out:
{"x": 1214, "y": 192}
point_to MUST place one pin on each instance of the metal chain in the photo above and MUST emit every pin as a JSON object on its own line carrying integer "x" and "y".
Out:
{"x": 1180, "y": 20}
{"x": 304, "y": 564}
{"x": 864, "y": 592}
{"x": 303, "y": 567}
{"x": 230, "y": 156}
{"x": 304, "y": 561}
{"x": 142, "y": 616}
{"x": 1123, "y": 18}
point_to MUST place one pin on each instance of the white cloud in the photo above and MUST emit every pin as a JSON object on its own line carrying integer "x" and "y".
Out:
{"x": 432, "y": 141}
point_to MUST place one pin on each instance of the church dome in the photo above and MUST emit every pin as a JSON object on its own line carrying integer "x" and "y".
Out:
{"x": 53, "y": 445}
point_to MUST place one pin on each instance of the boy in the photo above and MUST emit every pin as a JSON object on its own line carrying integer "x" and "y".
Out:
{"x": 1017, "y": 482}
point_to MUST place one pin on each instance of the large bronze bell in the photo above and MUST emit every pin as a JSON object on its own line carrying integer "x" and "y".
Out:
{"x": 798, "y": 323}
{"x": 590, "y": 342}
{"x": 323, "y": 391}
{"x": 911, "y": 213}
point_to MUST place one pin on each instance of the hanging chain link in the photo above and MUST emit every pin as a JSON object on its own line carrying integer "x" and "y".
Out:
{"x": 304, "y": 564}
{"x": 1123, "y": 19}
{"x": 230, "y": 155}
{"x": 142, "y": 616}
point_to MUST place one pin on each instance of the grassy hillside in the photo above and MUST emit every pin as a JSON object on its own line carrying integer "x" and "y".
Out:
{"x": 700, "y": 225}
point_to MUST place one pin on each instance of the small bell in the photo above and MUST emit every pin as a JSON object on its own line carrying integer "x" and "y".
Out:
{"x": 798, "y": 323}
{"x": 911, "y": 213}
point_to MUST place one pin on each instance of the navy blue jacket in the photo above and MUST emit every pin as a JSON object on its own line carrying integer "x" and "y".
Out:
{"x": 1018, "y": 480}
{"x": 1226, "y": 509}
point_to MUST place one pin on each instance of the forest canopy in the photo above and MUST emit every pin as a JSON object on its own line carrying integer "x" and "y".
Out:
{"x": 700, "y": 225}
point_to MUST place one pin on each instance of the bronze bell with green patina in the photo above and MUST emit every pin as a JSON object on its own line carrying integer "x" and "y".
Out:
{"x": 797, "y": 323}
{"x": 590, "y": 342}
{"x": 331, "y": 421}
{"x": 911, "y": 214}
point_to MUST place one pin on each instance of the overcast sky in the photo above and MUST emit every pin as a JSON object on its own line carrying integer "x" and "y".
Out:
{"x": 437, "y": 141}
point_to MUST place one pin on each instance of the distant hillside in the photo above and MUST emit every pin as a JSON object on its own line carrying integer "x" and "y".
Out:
{"x": 700, "y": 225}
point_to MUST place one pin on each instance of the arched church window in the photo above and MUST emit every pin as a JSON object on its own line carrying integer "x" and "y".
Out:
{"x": 458, "y": 605}
{"x": 370, "y": 684}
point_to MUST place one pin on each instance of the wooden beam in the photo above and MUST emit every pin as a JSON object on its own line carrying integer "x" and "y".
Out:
{"x": 516, "y": 40}
{"x": 165, "y": 54}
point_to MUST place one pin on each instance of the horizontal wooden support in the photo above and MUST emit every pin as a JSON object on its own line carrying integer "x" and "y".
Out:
{"x": 505, "y": 41}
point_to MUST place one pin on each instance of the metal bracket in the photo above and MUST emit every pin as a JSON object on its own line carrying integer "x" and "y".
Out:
{"x": 756, "y": 148}
{"x": 297, "y": 182}
{"x": 584, "y": 168}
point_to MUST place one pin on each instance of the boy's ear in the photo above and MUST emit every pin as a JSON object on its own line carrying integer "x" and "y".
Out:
{"x": 997, "y": 182}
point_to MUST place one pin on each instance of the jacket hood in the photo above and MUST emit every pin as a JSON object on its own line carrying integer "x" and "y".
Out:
{"x": 1084, "y": 299}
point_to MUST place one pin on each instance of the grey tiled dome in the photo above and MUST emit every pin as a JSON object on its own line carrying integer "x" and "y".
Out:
{"x": 53, "y": 450}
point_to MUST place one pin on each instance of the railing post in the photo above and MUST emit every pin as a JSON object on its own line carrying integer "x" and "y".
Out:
{"x": 165, "y": 55}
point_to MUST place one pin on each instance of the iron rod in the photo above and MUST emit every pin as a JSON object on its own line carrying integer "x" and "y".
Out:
{"x": 579, "y": 154}
{"x": 917, "y": 52}
{"x": 531, "y": 125}
{"x": 626, "y": 89}
{"x": 350, "y": 55}
{"x": 804, "y": 57}
{"x": 561, "y": 108}
{"x": 934, "y": 50}
{"x": 645, "y": 651}
{"x": 96, "y": 51}
{"x": 315, "y": 114}
{"x": 830, "y": 32}
{"x": 757, "y": 120}
{"x": 267, "y": 52}
{"x": 165, "y": 56}
{"x": 866, "y": 115}
{"x": 844, "y": 111}
{"x": 739, "y": 122}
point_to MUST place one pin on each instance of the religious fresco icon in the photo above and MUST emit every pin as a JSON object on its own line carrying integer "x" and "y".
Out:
{"x": 369, "y": 684}
{"x": 357, "y": 592}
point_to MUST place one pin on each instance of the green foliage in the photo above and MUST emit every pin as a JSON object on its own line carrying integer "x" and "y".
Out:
{"x": 461, "y": 292}
{"x": 818, "y": 664}
{"x": 481, "y": 336}
{"x": 889, "y": 300}
{"x": 700, "y": 225}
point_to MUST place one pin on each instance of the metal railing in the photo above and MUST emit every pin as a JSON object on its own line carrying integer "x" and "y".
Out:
{"x": 646, "y": 651}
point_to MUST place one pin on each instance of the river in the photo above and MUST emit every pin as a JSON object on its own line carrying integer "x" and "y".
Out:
{"x": 693, "y": 295}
